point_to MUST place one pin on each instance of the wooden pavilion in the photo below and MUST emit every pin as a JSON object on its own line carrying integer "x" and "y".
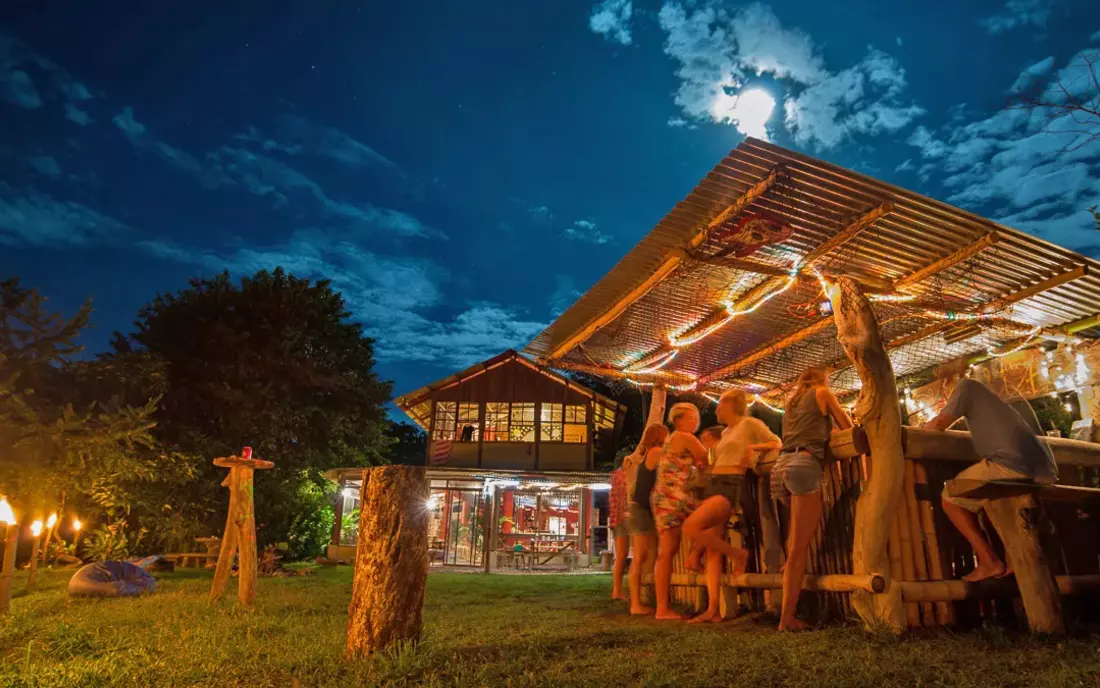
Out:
{"x": 512, "y": 455}
{"x": 778, "y": 261}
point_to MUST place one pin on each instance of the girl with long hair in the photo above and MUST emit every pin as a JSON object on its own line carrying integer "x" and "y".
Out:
{"x": 796, "y": 477}
{"x": 671, "y": 499}
{"x": 643, "y": 530}
{"x": 742, "y": 440}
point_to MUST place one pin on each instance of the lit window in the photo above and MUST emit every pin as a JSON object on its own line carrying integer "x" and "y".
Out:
{"x": 522, "y": 423}
{"x": 468, "y": 422}
{"x": 576, "y": 424}
{"x": 496, "y": 421}
{"x": 443, "y": 425}
{"x": 551, "y": 417}
{"x": 604, "y": 416}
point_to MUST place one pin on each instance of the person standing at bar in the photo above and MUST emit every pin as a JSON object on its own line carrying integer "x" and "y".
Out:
{"x": 798, "y": 473}
{"x": 741, "y": 440}
{"x": 1010, "y": 450}
{"x": 643, "y": 530}
{"x": 672, "y": 500}
{"x": 618, "y": 503}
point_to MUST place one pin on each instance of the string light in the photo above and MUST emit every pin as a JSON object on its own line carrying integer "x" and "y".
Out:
{"x": 1027, "y": 341}
{"x": 756, "y": 398}
{"x": 952, "y": 315}
{"x": 661, "y": 363}
{"x": 893, "y": 298}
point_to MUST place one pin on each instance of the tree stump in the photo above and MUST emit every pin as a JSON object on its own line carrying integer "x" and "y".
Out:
{"x": 240, "y": 527}
{"x": 878, "y": 411}
{"x": 391, "y": 560}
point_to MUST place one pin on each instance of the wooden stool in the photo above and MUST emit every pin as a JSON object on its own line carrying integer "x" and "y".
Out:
{"x": 1014, "y": 508}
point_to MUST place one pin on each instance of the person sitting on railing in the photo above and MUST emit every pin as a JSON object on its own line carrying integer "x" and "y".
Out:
{"x": 798, "y": 474}
{"x": 672, "y": 500}
{"x": 1009, "y": 449}
{"x": 643, "y": 530}
{"x": 743, "y": 437}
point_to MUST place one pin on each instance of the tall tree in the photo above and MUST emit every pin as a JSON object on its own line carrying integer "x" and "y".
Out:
{"x": 61, "y": 438}
{"x": 274, "y": 363}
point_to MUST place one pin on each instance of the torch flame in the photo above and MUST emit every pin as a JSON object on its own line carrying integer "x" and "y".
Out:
{"x": 77, "y": 525}
{"x": 51, "y": 521}
{"x": 7, "y": 516}
{"x": 36, "y": 528}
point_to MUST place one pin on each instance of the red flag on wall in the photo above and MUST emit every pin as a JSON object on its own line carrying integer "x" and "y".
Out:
{"x": 441, "y": 452}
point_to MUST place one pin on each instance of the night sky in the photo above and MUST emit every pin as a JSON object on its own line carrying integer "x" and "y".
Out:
{"x": 462, "y": 171}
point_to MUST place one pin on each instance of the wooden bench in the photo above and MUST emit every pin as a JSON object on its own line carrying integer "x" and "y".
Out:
{"x": 1014, "y": 509}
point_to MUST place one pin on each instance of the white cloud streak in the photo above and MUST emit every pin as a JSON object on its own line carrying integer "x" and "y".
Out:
{"x": 611, "y": 18}
{"x": 1018, "y": 13}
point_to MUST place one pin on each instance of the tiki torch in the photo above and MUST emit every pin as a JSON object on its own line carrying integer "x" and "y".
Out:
{"x": 36, "y": 531}
{"x": 51, "y": 523}
{"x": 77, "y": 525}
{"x": 11, "y": 539}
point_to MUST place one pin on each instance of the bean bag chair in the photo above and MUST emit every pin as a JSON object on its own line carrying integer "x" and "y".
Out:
{"x": 111, "y": 579}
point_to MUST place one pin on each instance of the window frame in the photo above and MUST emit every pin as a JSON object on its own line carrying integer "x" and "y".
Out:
{"x": 440, "y": 433}
{"x": 462, "y": 421}
{"x": 495, "y": 412}
{"x": 525, "y": 421}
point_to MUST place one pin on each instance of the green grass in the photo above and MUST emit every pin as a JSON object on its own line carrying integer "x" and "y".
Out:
{"x": 478, "y": 631}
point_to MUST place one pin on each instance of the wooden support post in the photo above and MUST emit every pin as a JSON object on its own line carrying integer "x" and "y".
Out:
{"x": 1017, "y": 520}
{"x": 945, "y": 613}
{"x": 657, "y": 403}
{"x": 391, "y": 560}
{"x": 338, "y": 514}
{"x": 240, "y": 527}
{"x": 878, "y": 411}
{"x": 33, "y": 568}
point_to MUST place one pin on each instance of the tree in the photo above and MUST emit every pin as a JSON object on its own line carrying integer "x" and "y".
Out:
{"x": 62, "y": 439}
{"x": 410, "y": 444}
{"x": 273, "y": 363}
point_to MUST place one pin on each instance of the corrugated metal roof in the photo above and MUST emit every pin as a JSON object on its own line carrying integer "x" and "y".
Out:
{"x": 817, "y": 200}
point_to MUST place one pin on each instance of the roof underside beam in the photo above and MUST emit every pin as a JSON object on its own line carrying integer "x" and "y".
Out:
{"x": 752, "y": 297}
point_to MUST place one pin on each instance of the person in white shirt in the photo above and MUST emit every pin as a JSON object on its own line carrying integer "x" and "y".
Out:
{"x": 742, "y": 441}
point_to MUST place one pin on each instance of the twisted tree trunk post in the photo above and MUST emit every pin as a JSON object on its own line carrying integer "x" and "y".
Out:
{"x": 240, "y": 527}
{"x": 878, "y": 411}
{"x": 391, "y": 560}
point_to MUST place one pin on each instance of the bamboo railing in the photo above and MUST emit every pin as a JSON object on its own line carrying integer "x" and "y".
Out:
{"x": 927, "y": 556}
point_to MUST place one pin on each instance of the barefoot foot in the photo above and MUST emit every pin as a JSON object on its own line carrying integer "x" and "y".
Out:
{"x": 670, "y": 616}
{"x": 740, "y": 561}
{"x": 706, "y": 617}
{"x": 993, "y": 569}
{"x": 640, "y": 611}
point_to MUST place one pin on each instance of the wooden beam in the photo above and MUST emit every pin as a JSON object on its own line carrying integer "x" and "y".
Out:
{"x": 1045, "y": 285}
{"x": 760, "y": 291}
{"x": 874, "y": 583}
{"x": 656, "y": 377}
{"x": 959, "y": 590}
{"x": 675, "y": 257}
{"x": 949, "y": 261}
{"x": 762, "y": 352}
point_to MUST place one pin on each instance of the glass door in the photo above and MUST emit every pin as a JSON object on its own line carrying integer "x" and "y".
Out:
{"x": 466, "y": 528}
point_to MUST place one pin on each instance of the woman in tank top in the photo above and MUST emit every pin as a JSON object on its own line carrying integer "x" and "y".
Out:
{"x": 797, "y": 475}
{"x": 643, "y": 531}
{"x": 743, "y": 439}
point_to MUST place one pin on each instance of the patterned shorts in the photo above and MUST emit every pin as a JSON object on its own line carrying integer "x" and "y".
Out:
{"x": 671, "y": 499}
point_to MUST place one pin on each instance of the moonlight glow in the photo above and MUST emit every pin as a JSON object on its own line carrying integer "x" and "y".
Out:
{"x": 748, "y": 111}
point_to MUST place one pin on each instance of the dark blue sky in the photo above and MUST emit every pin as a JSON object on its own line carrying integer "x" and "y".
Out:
{"x": 461, "y": 171}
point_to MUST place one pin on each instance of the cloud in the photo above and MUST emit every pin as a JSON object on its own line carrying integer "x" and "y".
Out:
{"x": 721, "y": 51}
{"x": 76, "y": 115}
{"x": 1018, "y": 13}
{"x": 31, "y": 218}
{"x": 300, "y": 136}
{"x": 585, "y": 230}
{"x": 19, "y": 88}
{"x": 564, "y": 295}
{"x": 389, "y": 295}
{"x": 905, "y": 166}
{"x": 45, "y": 165}
{"x": 267, "y": 177}
{"x": 611, "y": 18}
{"x": 540, "y": 213}
{"x": 1032, "y": 168}
{"x": 139, "y": 136}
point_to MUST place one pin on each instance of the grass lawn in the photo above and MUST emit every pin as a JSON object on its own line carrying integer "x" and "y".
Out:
{"x": 495, "y": 631}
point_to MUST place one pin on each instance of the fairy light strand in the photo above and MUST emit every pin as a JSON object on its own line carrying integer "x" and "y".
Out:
{"x": 1028, "y": 340}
